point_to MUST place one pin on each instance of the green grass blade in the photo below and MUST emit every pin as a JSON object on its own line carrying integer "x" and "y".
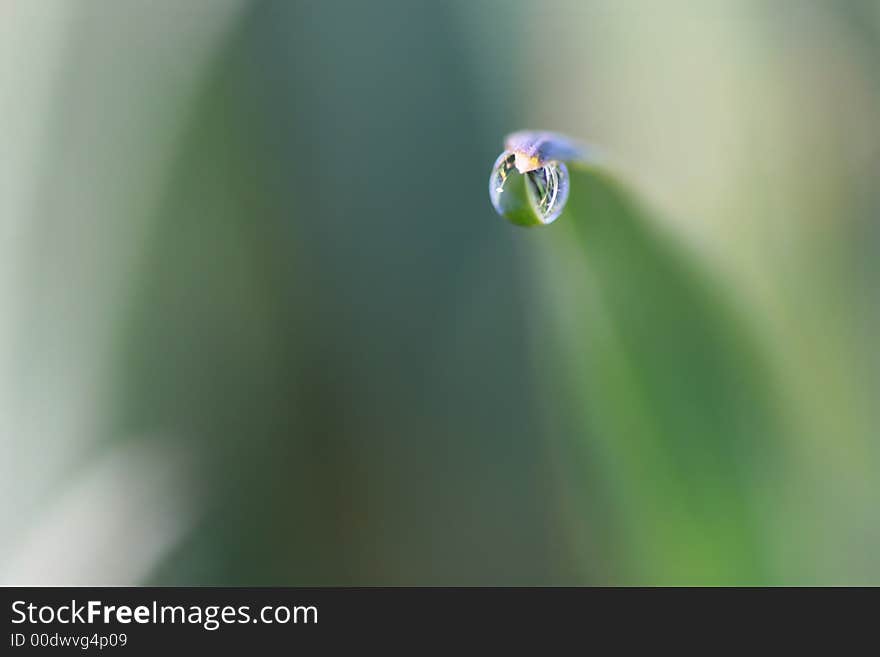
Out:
{"x": 670, "y": 395}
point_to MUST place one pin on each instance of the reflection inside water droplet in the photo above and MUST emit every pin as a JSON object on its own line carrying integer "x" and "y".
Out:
{"x": 534, "y": 198}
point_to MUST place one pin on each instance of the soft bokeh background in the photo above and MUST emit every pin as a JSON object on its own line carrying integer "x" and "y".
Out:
{"x": 260, "y": 325}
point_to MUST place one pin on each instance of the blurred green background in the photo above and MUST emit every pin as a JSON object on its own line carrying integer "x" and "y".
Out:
{"x": 259, "y": 323}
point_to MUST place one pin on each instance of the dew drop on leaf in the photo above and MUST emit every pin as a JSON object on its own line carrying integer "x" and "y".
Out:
{"x": 534, "y": 198}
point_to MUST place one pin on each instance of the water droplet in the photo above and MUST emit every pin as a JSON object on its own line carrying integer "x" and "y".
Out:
{"x": 534, "y": 198}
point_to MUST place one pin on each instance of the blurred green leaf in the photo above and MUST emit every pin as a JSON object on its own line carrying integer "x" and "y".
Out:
{"x": 670, "y": 396}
